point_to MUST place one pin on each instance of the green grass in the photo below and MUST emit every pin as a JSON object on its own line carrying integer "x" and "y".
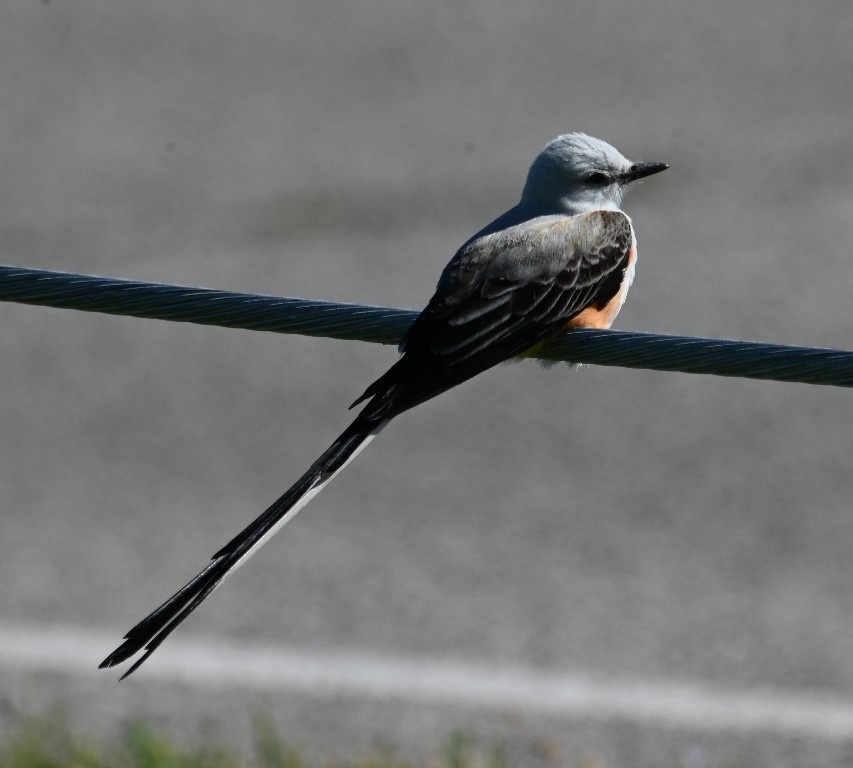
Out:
{"x": 48, "y": 743}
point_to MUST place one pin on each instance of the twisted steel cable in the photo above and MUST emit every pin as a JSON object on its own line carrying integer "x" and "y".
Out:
{"x": 386, "y": 325}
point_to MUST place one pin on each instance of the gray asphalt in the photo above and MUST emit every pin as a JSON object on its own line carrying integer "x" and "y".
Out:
{"x": 624, "y": 523}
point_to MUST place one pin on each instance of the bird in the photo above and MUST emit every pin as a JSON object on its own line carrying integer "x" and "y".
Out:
{"x": 563, "y": 257}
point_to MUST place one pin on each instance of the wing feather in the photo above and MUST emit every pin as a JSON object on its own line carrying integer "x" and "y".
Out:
{"x": 503, "y": 293}
{"x": 542, "y": 273}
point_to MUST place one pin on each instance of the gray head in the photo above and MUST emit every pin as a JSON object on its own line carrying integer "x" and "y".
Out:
{"x": 576, "y": 173}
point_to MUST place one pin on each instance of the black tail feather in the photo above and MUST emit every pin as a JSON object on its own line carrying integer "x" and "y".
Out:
{"x": 149, "y": 633}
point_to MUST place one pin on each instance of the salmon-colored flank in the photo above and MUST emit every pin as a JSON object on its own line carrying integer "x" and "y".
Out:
{"x": 602, "y": 317}
{"x": 593, "y": 316}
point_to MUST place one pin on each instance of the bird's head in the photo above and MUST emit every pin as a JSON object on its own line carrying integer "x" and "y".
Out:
{"x": 576, "y": 173}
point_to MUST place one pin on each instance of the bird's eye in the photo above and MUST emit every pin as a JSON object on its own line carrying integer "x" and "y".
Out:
{"x": 597, "y": 177}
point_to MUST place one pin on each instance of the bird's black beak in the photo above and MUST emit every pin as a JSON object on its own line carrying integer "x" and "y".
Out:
{"x": 641, "y": 170}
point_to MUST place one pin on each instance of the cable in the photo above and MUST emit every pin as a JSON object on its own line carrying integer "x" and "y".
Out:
{"x": 386, "y": 325}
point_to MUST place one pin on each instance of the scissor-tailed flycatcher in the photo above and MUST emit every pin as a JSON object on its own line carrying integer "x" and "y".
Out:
{"x": 562, "y": 258}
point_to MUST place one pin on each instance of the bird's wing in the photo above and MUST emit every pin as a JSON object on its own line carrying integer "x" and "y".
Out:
{"x": 503, "y": 291}
{"x": 502, "y": 294}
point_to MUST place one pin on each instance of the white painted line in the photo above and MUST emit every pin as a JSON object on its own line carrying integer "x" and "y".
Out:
{"x": 427, "y": 680}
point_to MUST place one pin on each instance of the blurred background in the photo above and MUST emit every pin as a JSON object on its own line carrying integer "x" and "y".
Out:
{"x": 618, "y": 524}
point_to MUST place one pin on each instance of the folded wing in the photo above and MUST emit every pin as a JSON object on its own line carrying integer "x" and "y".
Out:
{"x": 504, "y": 293}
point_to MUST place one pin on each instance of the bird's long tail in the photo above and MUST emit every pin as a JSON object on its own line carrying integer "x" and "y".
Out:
{"x": 156, "y": 627}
